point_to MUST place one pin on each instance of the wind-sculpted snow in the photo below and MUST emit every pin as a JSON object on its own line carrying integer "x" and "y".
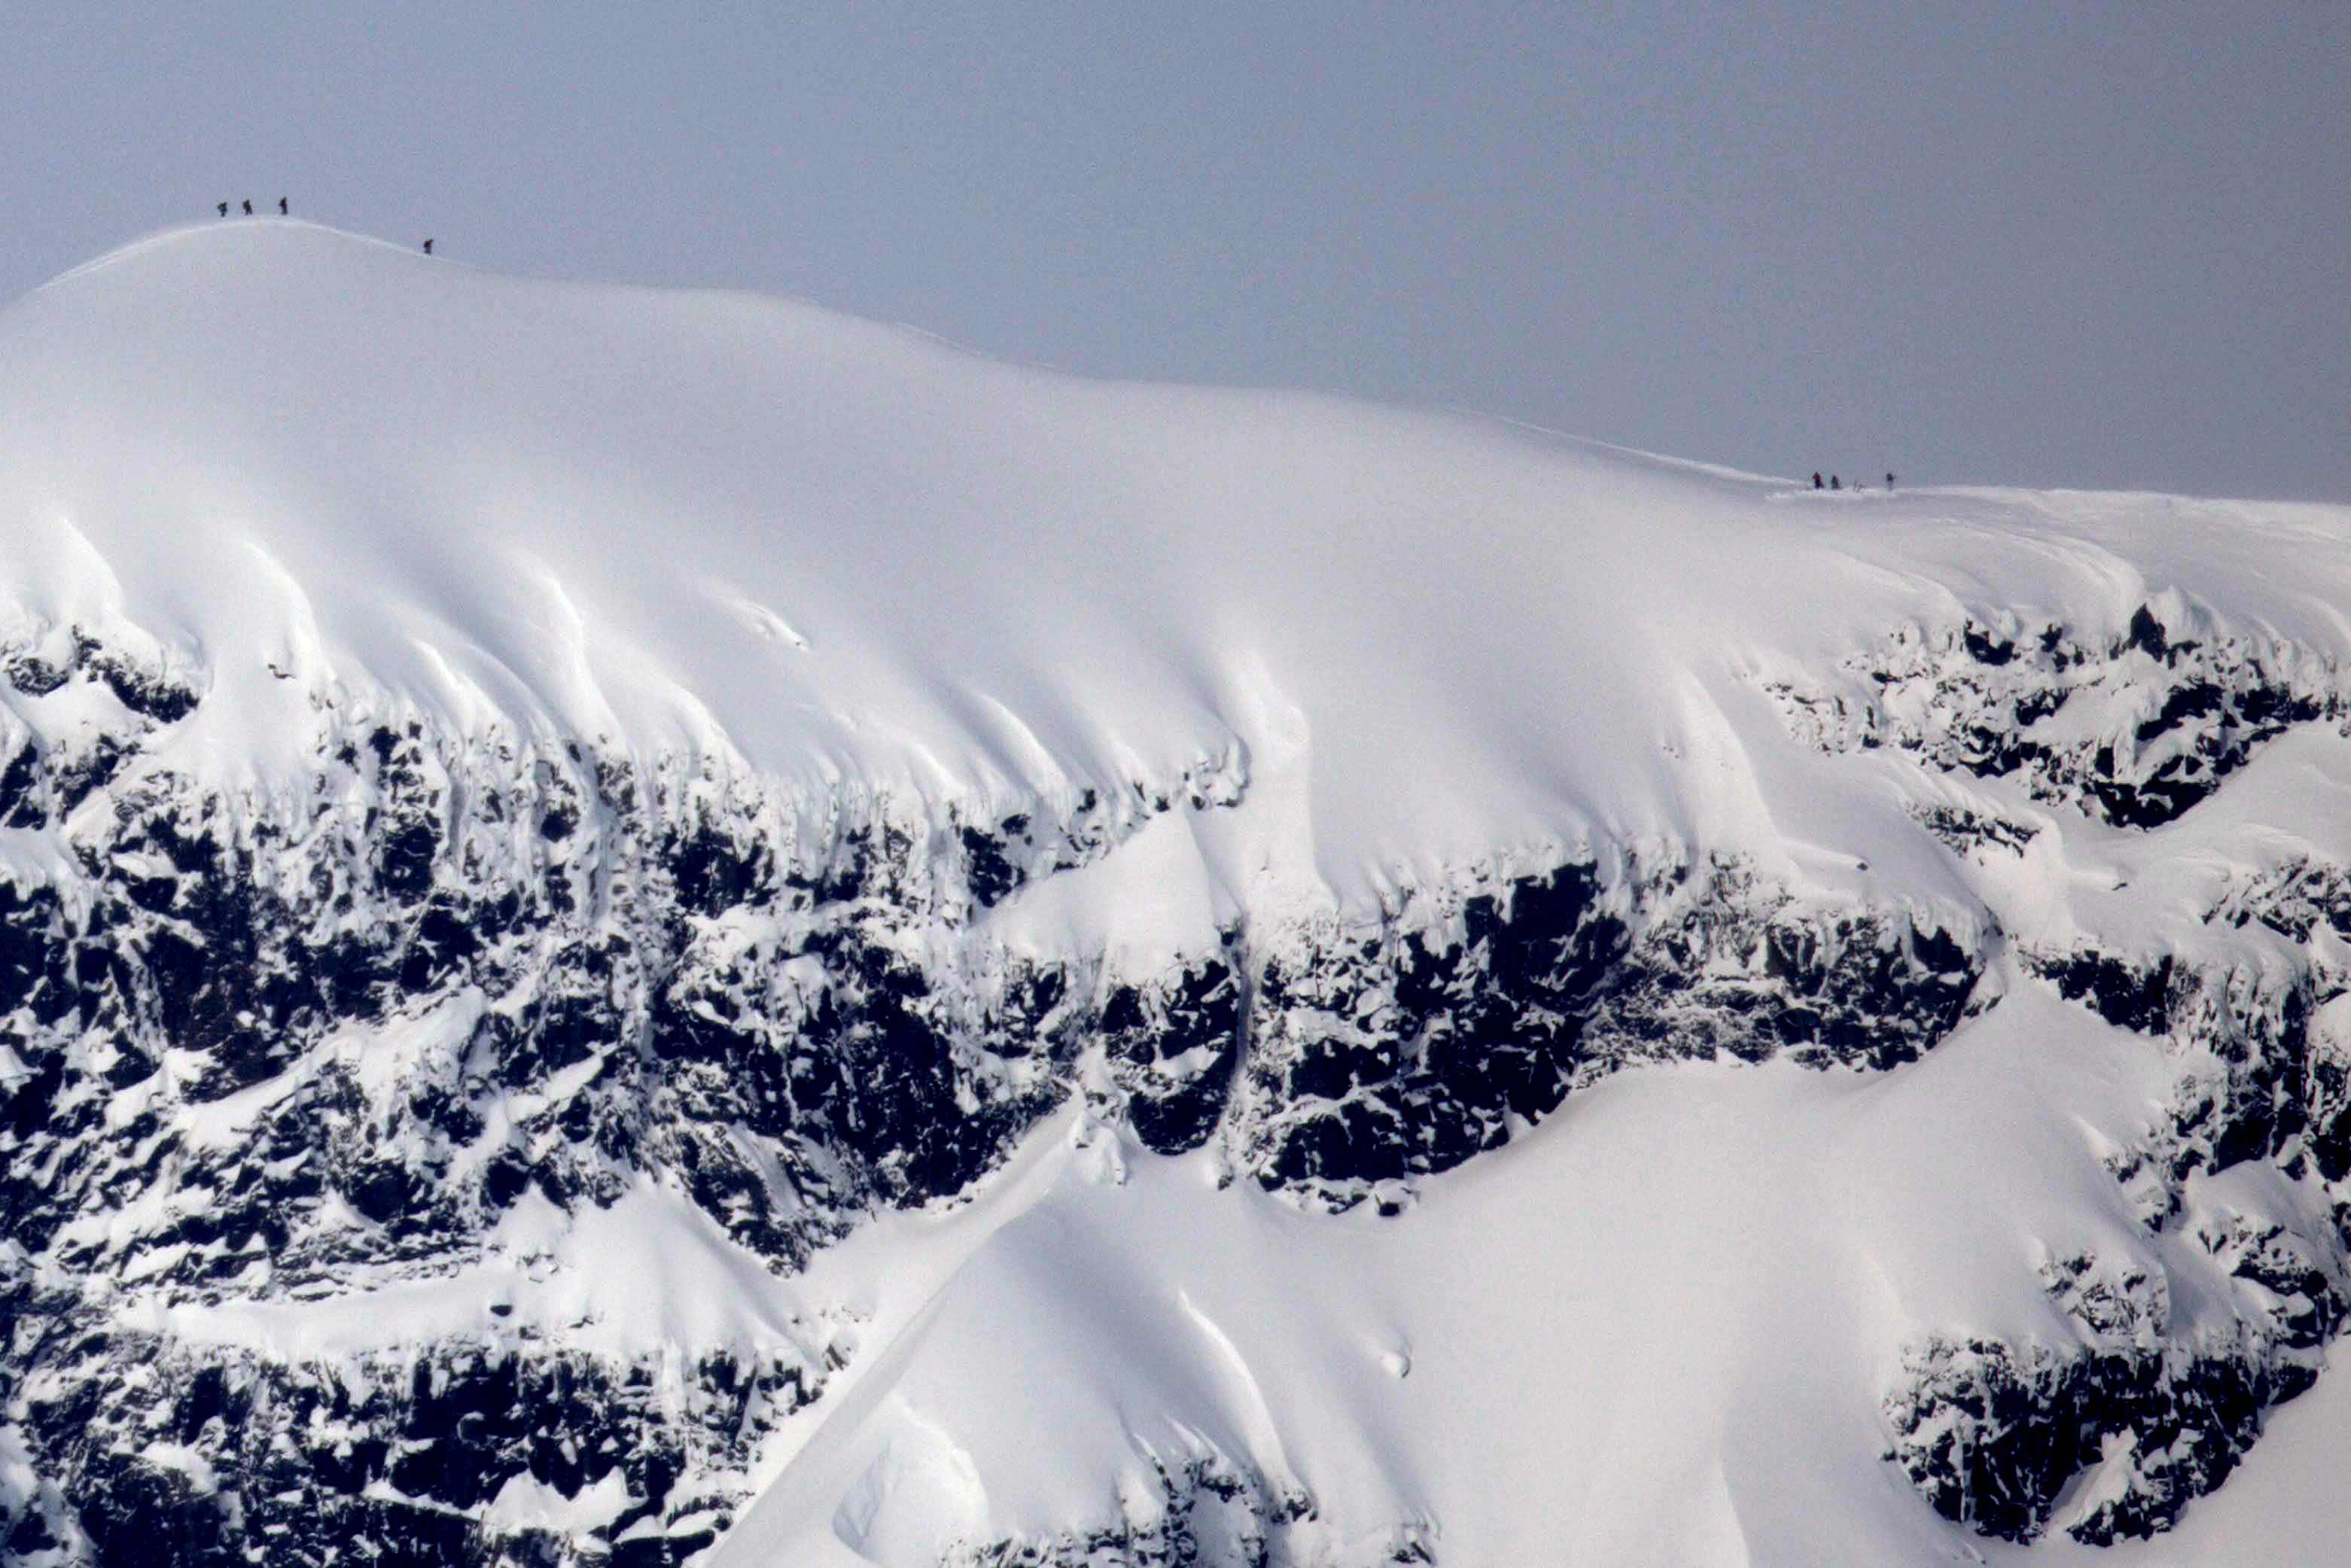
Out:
{"x": 637, "y": 928}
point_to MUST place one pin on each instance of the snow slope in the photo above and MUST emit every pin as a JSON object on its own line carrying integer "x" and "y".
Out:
{"x": 1963, "y": 875}
{"x": 840, "y": 550}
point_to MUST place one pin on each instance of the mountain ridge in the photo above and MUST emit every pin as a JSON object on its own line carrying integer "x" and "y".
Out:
{"x": 635, "y": 926}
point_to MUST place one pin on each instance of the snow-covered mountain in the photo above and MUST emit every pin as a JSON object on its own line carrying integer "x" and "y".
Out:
{"x": 645, "y": 926}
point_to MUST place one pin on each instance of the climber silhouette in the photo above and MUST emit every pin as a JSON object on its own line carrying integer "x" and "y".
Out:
{"x": 428, "y": 248}
{"x": 223, "y": 208}
{"x": 281, "y": 206}
{"x": 248, "y": 209}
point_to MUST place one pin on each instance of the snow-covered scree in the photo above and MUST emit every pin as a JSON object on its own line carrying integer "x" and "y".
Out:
{"x": 636, "y": 925}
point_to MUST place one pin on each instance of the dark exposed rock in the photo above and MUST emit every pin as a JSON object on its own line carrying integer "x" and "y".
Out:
{"x": 1173, "y": 1046}
{"x": 1992, "y": 1434}
{"x": 1202, "y": 1510}
{"x": 2176, "y": 716}
{"x": 1382, "y": 1053}
{"x": 2136, "y": 996}
{"x": 992, "y": 873}
{"x": 207, "y": 1461}
{"x": 1967, "y": 831}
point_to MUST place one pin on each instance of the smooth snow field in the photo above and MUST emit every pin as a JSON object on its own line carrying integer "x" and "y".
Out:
{"x": 1657, "y": 1326}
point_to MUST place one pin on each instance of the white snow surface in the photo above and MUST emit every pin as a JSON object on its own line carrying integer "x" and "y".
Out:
{"x": 834, "y": 549}
{"x": 1656, "y": 1329}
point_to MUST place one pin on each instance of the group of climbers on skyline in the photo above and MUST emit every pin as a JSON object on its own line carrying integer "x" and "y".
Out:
{"x": 221, "y": 207}
{"x": 1837, "y": 484}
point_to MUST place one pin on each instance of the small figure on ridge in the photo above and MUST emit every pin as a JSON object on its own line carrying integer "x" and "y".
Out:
{"x": 281, "y": 206}
{"x": 1834, "y": 484}
{"x": 223, "y": 208}
{"x": 248, "y": 209}
{"x": 1816, "y": 479}
{"x": 1889, "y": 481}
{"x": 428, "y": 248}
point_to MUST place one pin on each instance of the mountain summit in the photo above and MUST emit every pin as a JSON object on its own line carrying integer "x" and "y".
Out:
{"x": 640, "y": 927}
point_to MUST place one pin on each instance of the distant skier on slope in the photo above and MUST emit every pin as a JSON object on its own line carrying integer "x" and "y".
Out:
{"x": 1816, "y": 479}
{"x": 1889, "y": 481}
{"x": 223, "y": 208}
{"x": 428, "y": 248}
{"x": 248, "y": 209}
{"x": 281, "y": 206}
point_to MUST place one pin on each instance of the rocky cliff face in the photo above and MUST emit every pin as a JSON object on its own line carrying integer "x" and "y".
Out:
{"x": 2114, "y": 1431}
{"x": 315, "y": 1043}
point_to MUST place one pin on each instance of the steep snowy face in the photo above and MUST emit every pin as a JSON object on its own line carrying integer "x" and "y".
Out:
{"x": 633, "y": 924}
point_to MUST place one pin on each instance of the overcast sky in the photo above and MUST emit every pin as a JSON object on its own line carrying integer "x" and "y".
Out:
{"x": 2047, "y": 244}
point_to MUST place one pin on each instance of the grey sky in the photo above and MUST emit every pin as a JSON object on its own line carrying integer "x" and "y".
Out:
{"x": 2046, "y": 243}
